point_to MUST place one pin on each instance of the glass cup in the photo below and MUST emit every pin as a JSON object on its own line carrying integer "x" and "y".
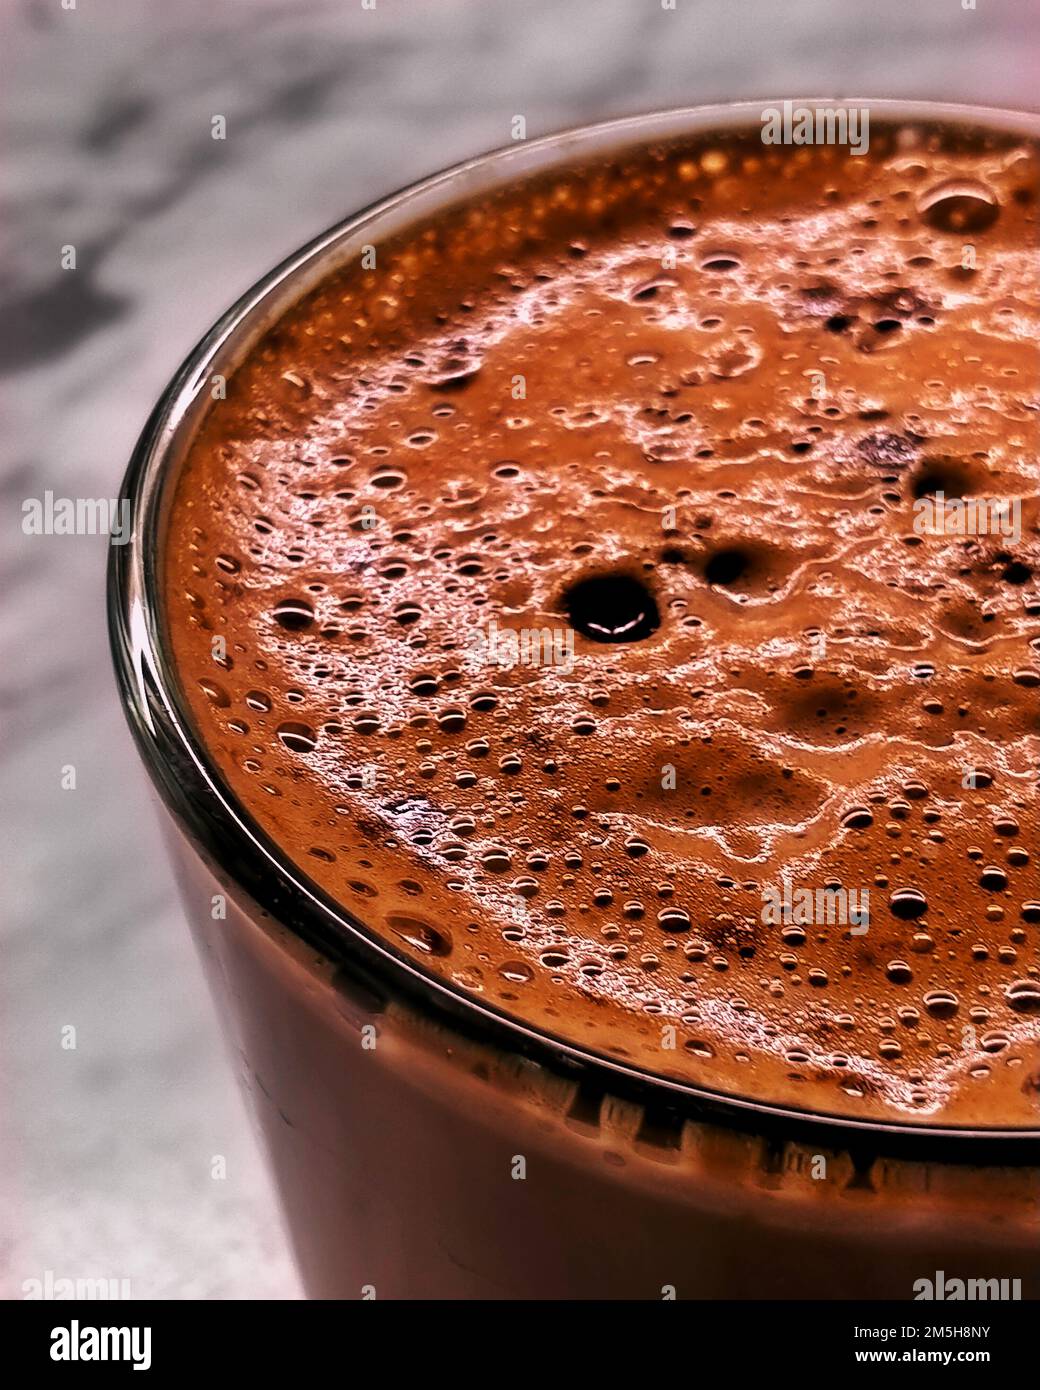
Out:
{"x": 426, "y": 1145}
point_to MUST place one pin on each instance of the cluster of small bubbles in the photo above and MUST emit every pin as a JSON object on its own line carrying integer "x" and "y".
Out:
{"x": 598, "y": 819}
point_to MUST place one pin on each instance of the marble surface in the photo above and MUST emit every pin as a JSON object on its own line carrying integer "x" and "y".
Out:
{"x": 107, "y": 1147}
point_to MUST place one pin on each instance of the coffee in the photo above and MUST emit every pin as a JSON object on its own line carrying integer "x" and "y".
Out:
{"x": 622, "y": 594}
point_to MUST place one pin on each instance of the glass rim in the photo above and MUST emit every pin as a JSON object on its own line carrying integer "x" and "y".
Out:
{"x": 192, "y": 787}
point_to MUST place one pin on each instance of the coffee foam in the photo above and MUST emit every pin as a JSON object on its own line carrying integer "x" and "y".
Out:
{"x": 719, "y": 377}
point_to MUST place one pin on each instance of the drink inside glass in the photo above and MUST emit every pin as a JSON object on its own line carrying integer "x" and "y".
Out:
{"x": 582, "y": 619}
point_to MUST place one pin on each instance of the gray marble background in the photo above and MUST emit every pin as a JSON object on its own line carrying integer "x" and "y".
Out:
{"x": 106, "y": 1149}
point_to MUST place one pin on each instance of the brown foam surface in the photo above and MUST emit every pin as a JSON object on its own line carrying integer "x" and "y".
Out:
{"x": 723, "y": 372}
